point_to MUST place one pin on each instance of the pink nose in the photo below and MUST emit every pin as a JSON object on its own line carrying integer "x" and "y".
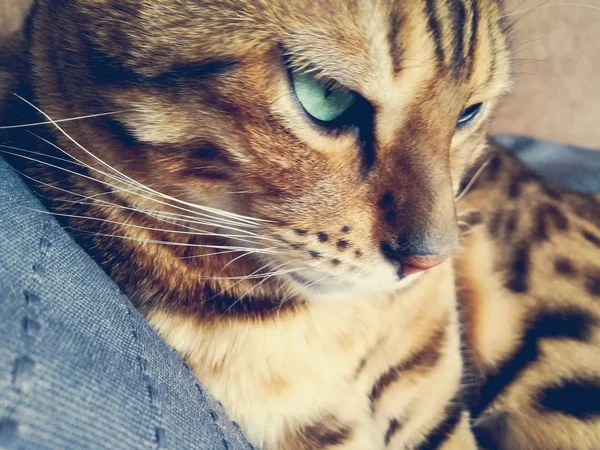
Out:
{"x": 414, "y": 264}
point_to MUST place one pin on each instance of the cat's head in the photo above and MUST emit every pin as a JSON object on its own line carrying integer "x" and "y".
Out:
{"x": 344, "y": 126}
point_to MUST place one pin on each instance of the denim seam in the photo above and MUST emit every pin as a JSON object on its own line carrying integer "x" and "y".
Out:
{"x": 159, "y": 433}
{"x": 24, "y": 364}
{"x": 213, "y": 413}
{"x": 211, "y": 410}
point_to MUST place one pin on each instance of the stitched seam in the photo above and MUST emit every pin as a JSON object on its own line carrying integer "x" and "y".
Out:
{"x": 159, "y": 432}
{"x": 213, "y": 414}
{"x": 24, "y": 364}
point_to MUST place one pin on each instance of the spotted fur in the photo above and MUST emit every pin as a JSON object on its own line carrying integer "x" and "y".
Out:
{"x": 274, "y": 254}
{"x": 527, "y": 284}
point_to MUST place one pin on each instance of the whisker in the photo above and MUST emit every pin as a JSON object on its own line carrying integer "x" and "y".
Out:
{"x": 142, "y": 188}
{"x": 204, "y": 255}
{"x": 115, "y": 187}
{"x": 91, "y": 197}
{"x": 283, "y": 285}
{"x": 121, "y": 178}
{"x": 180, "y": 220}
{"x": 474, "y": 179}
{"x": 271, "y": 250}
{"x": 162, "y": 230}
{"x": 58, "y": 127}
{"x": 57, "y": 158}
{"x": 289, "y": 293}
{"x": 247, "y": 237}
{"x": 70, "y": 119}
{"x": 253, "y": 288}
{"x": 249, "y": 291}
{"x": 524, "y": 13}
{"x": 177, "y": 244}
{"x": 520, "y": 45}
{"x": 527, "y": 10}
{"x": 241, "y": 280}
{"x": 318, "y": 281}
{"x": 252, "y": 277}
{"x": 197, "y": 218}
{"x": 107, "y": 204}
{"x": 237, "y": 258}
{"x": 249, "y": 220}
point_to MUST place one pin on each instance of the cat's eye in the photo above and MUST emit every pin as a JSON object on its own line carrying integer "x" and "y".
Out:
{"x": 468, "y": 114}
{"x": 323, "y": 101}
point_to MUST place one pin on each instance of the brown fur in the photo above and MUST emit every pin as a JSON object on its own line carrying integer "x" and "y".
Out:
{"x": 207, "y": 152}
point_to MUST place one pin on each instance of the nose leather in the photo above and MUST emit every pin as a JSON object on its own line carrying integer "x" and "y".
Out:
{"x": 420, "y": 263}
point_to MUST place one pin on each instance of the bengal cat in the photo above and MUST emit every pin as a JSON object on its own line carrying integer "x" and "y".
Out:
{"x": 280, "y": 187}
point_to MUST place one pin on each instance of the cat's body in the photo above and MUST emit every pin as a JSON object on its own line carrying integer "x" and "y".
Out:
{"x": 529, "y": 288}
{"x": 284, "y": 255}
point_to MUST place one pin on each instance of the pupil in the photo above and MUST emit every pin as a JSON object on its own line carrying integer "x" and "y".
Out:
{"x": 469, "y": 112}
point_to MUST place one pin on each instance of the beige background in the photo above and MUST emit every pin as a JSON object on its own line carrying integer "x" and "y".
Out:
{"x": 556, "y": 93}
{"x": 11, "y": 13}
{"x": 557, "y": 68}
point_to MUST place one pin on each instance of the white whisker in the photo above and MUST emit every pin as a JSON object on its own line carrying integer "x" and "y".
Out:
{"x": 238, "y": 217}
{"x": 162, "y": 230}
{"x": 143, "y": 188}
{"x": 237, "y": 258}
{"x": 289, "y": 293}
{"x": 241, "y": 280}
{"x": 252, "y": 277}
{"x": 474, "y": 179}
{"x": 57, "y": 158}
{"x": 528, "y": 10}
{"x": 177, "y": 244}
{"x": 220, "y": 225}
{"x": 107, "y": 204}
{"x": 256, "y": 286}
{"x": 205, "y": 255}
{"x": 35, "y": 124}
{"x": 318, "y": 280}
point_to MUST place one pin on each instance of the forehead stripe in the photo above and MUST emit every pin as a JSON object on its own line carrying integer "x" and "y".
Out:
{"x": 458, "y": 15}
{"x": 474, "y": 33}
{"x": 396, "y": 51}
{"x": 436, "y": 30}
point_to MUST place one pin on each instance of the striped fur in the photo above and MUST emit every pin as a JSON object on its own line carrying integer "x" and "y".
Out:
{"x": 269, "y": 252}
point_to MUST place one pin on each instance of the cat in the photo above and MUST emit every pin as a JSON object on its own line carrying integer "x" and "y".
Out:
{"x": 301, "y": 199}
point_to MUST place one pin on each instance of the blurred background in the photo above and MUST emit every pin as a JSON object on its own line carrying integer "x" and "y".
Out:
{"x": 556, "y": 93}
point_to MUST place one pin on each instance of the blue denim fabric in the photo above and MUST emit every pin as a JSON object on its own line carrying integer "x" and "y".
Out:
{"x": 571, "y": 167}
{"x": 79, "y": 366}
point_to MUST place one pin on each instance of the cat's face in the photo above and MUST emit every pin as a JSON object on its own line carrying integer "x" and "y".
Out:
{"x": 346, "y": 125}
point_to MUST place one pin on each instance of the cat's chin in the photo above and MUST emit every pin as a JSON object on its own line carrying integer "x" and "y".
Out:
{"x": 336, "y": 289}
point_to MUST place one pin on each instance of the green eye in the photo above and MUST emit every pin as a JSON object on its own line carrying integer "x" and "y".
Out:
{"x": 319, "y": 99}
